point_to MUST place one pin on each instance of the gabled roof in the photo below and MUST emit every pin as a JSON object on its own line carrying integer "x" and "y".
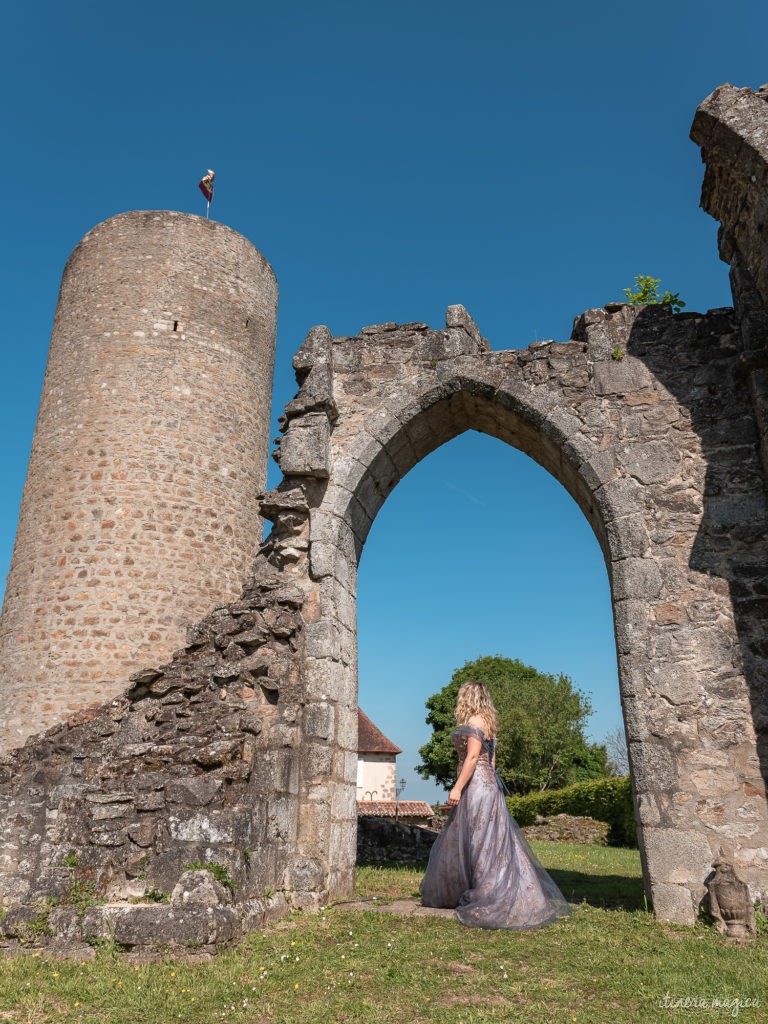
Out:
{"x": 371, "y": 740}
{"x": 392, "y": 808}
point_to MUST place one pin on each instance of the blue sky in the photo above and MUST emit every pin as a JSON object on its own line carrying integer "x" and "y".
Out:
{"x": 526, "y": 160}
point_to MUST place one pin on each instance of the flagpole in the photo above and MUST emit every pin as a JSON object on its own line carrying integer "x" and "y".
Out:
{"x": 206, "y": 187}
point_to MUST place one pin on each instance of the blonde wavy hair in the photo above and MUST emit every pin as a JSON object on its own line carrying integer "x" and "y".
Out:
{"x": 475, "y": 699}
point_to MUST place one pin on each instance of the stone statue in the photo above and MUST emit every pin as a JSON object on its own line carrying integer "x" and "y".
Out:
{"x": 729, "y": 901}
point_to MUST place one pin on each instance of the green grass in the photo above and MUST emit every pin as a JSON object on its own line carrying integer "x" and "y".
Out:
{"x": 609, "y": 963}
{"x": 602, "y": 875}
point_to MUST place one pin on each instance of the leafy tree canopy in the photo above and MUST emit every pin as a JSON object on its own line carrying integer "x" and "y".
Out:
{"x": 541, "y": 718}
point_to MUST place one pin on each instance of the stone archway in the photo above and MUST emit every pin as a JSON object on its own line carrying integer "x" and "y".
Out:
{"x": 624, "y": 444}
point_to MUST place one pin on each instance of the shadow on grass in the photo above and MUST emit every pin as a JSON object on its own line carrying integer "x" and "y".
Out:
{"x": 605, "y": 891}
{"x": 609, "y": 892}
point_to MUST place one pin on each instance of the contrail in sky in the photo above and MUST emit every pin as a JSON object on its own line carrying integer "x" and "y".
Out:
{"x": 465, "y": 494}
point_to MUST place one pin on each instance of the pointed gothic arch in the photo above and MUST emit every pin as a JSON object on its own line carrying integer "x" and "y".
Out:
{"x": 626, "y": 447}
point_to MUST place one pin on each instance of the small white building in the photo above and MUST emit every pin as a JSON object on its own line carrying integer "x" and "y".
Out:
{"x": 376, "y": 762}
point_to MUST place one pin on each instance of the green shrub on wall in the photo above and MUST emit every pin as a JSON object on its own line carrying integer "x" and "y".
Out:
{"x": 608, "y": 800}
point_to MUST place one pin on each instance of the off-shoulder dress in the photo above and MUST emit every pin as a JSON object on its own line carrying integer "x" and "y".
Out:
{"x": 481, "y": 863}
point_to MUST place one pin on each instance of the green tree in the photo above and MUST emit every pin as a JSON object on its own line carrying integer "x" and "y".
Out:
{"x": 647, "y": 294}
{"x": 541, "y": 743}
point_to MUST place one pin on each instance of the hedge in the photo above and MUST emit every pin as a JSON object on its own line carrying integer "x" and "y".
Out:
{"x": 608, "y": 800}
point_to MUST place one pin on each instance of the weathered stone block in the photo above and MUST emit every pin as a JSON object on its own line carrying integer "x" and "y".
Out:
{"x": 282, "y": 816}
{"x": 651, "y": 462}
{"x": 199, "y": 888}
{"x": 326, "y": 679}
{"x": 231, "y": 825}
{"x": 149, "y": 926}
{"x": 635, "y": 578}
{"x": 677, "y": 856}
{"x": 306, "y": 447}
{"x": 317, "y": 758}
{"x": 315, "y": 822}
{"x": 342, "y": 848}
{"x": 344, "y": 805}
{"x": 197, "y": 791}
{"x": 653, "y": 765}
{"x": 305, "y": 874}
{"x": 319, "y": 720}
{"x": 315, "y": 349}
{"x": 346, "y": 729}
{"x": 674, "y": 903}
{"x": 620, "y": 376}
{"x": 628, "y": 537}
{"x": 321, "y": 639}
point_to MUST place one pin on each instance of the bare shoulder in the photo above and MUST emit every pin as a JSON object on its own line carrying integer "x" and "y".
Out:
{"x": 479, "y": 723}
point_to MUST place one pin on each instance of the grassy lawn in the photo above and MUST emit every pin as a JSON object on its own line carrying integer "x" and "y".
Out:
{"x": 610, "y": 961}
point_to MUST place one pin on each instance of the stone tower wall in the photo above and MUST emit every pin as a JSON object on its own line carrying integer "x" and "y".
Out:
{"x": 139, "y": 511}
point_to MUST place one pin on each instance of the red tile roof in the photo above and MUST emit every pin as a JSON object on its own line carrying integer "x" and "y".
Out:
{"x": 386, "y": 808}
{"x": 371, "y": 740}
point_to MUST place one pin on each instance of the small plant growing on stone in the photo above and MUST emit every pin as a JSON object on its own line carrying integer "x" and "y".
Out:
{"x": 219, "y": 872}
{"x": 618, "y": 353}
{"x": 31, "y": 931}
{"x": 157, "y": 896}
{"x": 761, "y": 919}
{"x": 646, "y": 293}
{"x": 70, "y": 861}
{"x": 81, "y": 895}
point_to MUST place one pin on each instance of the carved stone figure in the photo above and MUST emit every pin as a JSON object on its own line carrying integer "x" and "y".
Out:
{"x": 729, "y": 901}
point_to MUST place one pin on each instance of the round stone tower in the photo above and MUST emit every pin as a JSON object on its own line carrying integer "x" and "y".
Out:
{"x": 139, "y": 511}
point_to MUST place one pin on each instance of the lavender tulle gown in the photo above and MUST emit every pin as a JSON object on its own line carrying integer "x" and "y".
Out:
{"x": 481, "y": 863}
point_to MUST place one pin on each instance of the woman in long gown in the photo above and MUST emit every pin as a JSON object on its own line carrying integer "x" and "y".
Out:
{"x": 481, "y": 863}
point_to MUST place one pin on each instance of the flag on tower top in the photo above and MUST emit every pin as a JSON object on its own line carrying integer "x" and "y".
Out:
{"x": 206, "y": 185}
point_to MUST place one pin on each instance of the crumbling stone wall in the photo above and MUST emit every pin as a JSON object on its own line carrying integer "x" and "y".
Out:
{"x": 242, "y": 750}
{"x": 731, "y": 126}
{"x": 198, "y": 762}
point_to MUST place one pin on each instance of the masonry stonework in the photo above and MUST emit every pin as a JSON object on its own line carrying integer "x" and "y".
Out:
{"x": 139, "y": 510}
{"x": 243, "y": 747}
